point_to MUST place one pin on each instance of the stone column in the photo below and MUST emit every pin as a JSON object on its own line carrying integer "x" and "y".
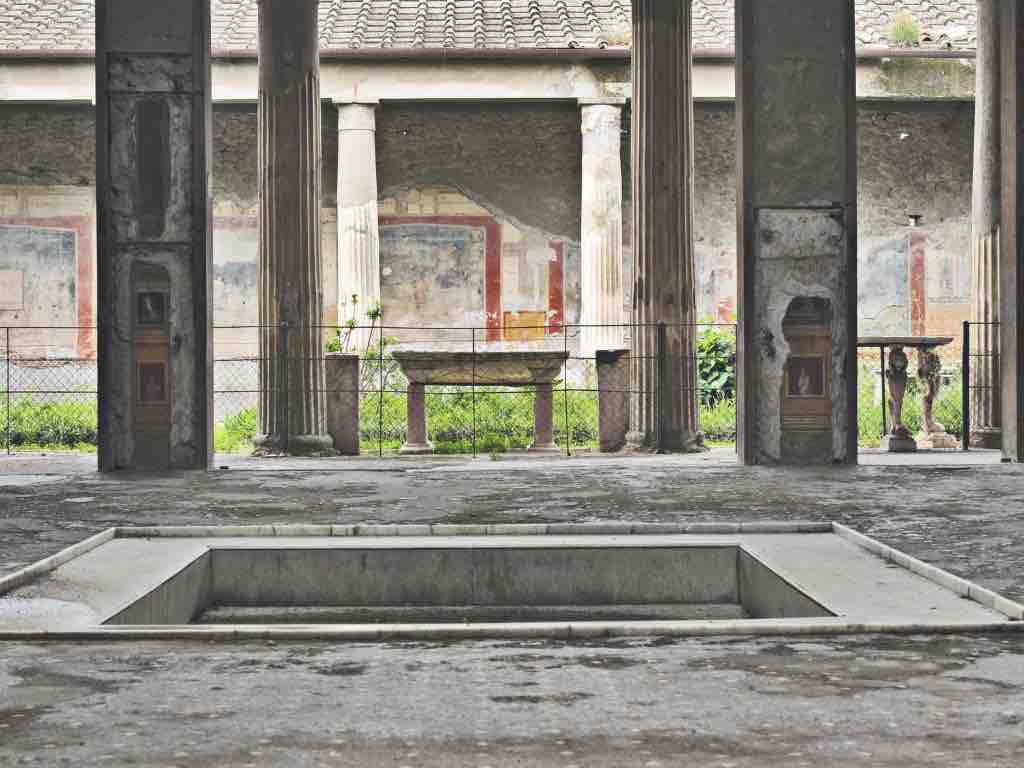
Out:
{"x": 601, "y": 236}
{"x": 986, "y": 430}
{"x": 1011, "y": 239}
{"x": 153, "y": 114}
{"x": 291, "y": 413}
{"x": 416, "y": 442}
{"x": 796, "y": 130}
{"x": 358, "y": 232}
{"x": 664, "y": 405}
{"x": 543, "y": 420}
{"x": 612, "y": 399}
{"x": 342, "y": 401}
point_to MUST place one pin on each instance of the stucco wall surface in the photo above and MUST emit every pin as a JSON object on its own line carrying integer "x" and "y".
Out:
{"x": 522, "y": 164}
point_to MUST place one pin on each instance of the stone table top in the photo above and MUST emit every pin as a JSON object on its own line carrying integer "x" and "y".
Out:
{"x": 508, "y": 369}
{"x": 904, "y": 341}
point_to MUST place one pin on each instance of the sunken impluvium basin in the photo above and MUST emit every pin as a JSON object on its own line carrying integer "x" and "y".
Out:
{"x": 425, "y": 582}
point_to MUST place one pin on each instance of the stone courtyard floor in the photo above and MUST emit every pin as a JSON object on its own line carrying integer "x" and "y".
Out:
{"x": 870, "y": 701}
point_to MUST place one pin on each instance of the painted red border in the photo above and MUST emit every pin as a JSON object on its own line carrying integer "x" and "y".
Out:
{"x": 85, "y": 277}
{"x": 492, "y": 259}
{"x": 556, "y": 289}
{"x": 918, "y": 298}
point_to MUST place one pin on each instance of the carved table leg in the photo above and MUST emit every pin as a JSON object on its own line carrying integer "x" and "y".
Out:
{"x": 416, "y": 442}
{"x": 929, "y": 370}
{"x": 899, "y": 439}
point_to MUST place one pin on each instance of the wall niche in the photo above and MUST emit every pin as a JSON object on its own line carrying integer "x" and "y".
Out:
{"x": 807, "y": 384}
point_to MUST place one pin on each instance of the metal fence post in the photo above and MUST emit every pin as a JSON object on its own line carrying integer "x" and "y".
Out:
{"x": 965, "y": 388}
{"x": 885, "y": 417}
{"x": 285, "y": 384}
{"x": 8, "y": 387}
{"x": 380, "y": 398}
{"x": 472, "y": 391}
{"x": 565, "y": 392}
{"x": 661, "y": 353}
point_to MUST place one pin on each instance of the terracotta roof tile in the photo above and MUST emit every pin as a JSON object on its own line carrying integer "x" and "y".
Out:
{"x": 67, "y": 25}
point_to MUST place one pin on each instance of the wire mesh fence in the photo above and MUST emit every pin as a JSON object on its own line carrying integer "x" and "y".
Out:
{"x": 48, "y": 394}
{"x": 480, "y": 397}
{"x": 981, "y": 402}
{"x": 469, "y": 391}
{"x": 952, "y": 402}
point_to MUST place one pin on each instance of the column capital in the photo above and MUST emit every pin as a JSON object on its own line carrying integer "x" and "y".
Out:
{"x": 600, "y": 116}
{"x": 357, "y": 115}
{"x": 364, "y": 102}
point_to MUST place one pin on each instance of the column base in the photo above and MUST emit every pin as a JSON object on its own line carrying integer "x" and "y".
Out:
{"x": 930, "y": 441}
{"x": 990, "y": 439}
{"x": 898, "y": 444}
{"x": 416, "y": 449}
{"x": 689, "y": 442}
{"x": 297, "y": 445}
{"x": 636, "y": 442}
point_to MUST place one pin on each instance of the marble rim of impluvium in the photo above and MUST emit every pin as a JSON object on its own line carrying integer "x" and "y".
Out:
{"x": 1006, "y": 615}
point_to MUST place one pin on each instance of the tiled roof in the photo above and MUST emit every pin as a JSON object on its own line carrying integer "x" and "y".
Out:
{"x": 67, "y": 25}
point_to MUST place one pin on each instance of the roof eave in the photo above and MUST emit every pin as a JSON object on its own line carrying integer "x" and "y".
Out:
{"x": 613, "y": 54}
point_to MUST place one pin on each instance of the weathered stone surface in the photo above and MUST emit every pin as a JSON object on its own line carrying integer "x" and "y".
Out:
{"x": 531, "y": 176}
{"x": 151, "y": 74}
{"x": 127, "y": 165}
{"x": 416, "y": 442}
{"x": 481, "y": 368}
{"x": 359, "y": 288}
{"x": 986, "y": 198}
{"x": 602, "y": 300}
{"x": 341, "y": 382}
{"x": 664, "y": 405}
{"x": 543, "y": 420}
{"x": 153, "y": 155}
{"x": 799, "y": 201}
{"x": 612, "y": 399}
{"x": 1011, "y": 236}
{"x": 291, "y": 407}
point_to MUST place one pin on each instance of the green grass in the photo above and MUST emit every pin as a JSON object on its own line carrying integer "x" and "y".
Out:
{"x": 68, "y": 425}
{"x": 504, "y": 420}
{"x": 236, "y": 433}
{"x": 718, "y": 422}
{"x": 948, "y": 409}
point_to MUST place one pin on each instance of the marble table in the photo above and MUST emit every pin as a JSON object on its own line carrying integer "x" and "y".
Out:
{"x": 538, "y": 370}
{"x": 929, "y": 369}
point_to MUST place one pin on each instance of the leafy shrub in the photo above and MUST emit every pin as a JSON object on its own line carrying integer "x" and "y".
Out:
{"x": 50, "y": 424}
{"x": 948, "y": 408}
{"x": 503, "y": 419}
{"x": 718, "y": 421}
{"x": 236, "y": 434}
{"x": 716, "y": 365}
{"x": 905, "y": 31}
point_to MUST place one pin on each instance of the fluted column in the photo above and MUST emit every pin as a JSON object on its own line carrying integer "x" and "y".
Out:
{"x": 603, "y": 314}
{"x": 358, "y": 232}
{"x": 1011, "y": 241}
{"x": 291, "y": 413}
{"x": 664, "y": 403}
{"x": 986, "y": 418}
